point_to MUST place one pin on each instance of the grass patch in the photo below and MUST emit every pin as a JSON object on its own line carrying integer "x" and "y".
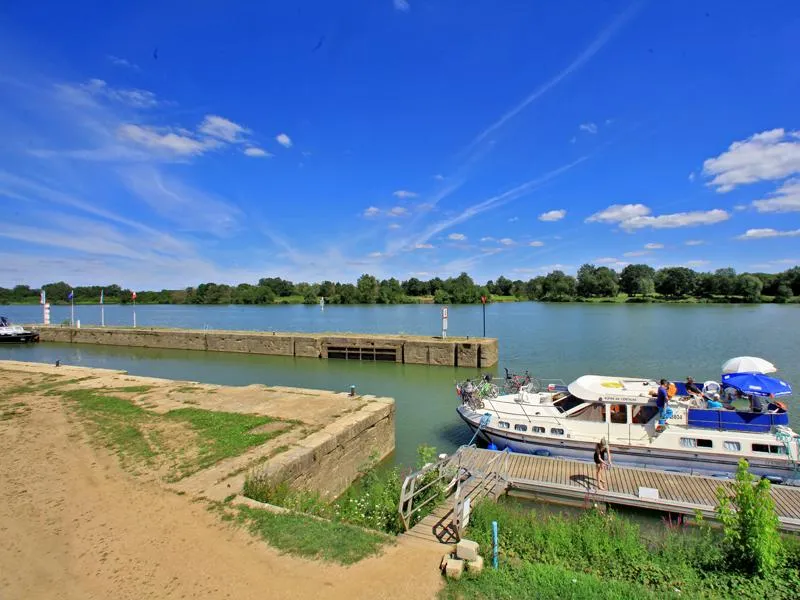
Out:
{"x": 313, "y": 538}
{"x": 612, "y": 551}
{"x": 132, "y": 389}
{"x": 184, "y": 440}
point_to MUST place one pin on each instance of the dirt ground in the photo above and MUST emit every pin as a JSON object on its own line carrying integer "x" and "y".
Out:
{"x": 73, "y": 524}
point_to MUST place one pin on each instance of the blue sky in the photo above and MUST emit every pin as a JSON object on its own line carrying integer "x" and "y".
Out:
{"x": 163, "y": 144}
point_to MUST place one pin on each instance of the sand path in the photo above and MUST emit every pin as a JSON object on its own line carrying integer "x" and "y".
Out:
{"x": 73, "y": 524}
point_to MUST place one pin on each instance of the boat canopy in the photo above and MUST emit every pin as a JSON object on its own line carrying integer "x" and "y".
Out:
{"x": 600, "y": 388}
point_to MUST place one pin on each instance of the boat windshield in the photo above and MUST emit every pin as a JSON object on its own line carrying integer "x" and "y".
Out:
{"x": 567, "y": 403}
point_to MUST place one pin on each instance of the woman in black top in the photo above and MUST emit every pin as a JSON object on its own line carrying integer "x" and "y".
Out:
{"x": 602, "y": 460}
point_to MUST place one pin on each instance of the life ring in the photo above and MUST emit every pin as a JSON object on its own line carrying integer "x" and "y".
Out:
{"x": 671, "y": 390}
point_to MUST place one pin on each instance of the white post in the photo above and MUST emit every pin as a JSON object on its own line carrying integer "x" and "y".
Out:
{"x": 45, "y": 315}
{"x": 134, "y": 311}
{"x": 72, "y": 312}
{"x": 444, "y": 322}
{"x": 102, "y": 315}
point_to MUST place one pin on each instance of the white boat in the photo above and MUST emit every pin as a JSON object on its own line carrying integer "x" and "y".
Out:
{"x": 568, "y": 421}
{"x": 14, "y": 334}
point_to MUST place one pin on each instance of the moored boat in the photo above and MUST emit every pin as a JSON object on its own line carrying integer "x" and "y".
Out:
{"x": 697, "y": 434}
{"x": 14, "y": 334}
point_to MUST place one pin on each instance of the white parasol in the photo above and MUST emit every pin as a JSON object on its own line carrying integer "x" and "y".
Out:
{"x": 748, "y": 364}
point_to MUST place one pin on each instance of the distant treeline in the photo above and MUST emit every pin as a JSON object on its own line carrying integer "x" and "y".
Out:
{"x": 635, "y": 283}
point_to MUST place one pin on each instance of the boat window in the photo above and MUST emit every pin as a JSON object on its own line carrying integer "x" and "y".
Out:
{"x": 732, "y": 446}
{"x": 537, "y": 429}
{"x": 705, "y": 444}
{"x": 619, "y": 413}
{"x": 688, "y": 443}
{"x": 567, "y": 403}
{"x": 520, "y": 427}
{"x": 504, "y": 424}
{"x": 643, "y": 414}
{"x": 771, "y": 449}
{"x": 556, "y": 431}
{"x": 595, "y": 412}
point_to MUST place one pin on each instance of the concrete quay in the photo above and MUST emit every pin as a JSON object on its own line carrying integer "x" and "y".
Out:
{"x": 407, "y": 349}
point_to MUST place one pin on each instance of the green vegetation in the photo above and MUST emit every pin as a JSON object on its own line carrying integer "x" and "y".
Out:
{"x": 371, "y": 502}
{"x": 185, "y": 440}
{"x": 608, "y": 556}
{"x": 313, "y": 538}
{"x": 638, "y": 283}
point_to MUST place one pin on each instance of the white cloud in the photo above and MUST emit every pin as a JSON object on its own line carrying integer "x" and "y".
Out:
{"x": 375, "y": 254}
{"x": 697, "y": 263}
{"x": 457, "y": 236}
{"x": 653, "y": 246}
{"x": 257, "y": 152}
{"x": 675, "y": 220}
{"x": 423, "y": 246}
{"x": 372, "y": 211}
{"x": 637, "y": 216}
{"x": 439, "y": 177}
{"x": 740, "y": 207}
{"x": 692, "y": 176}
{"x": 765, "y": 156}
{"x": 487, "y": 239}
{"x": 167, "y": 142}
{"x": 131, "y": 97}
{"x": 616, "y": 213}
{"x": 553, "y": 215}
{"x": 635, "y": 253}
{"x": 402, "y": 5}
{"x": 513, "y": 219}
{"x": 536, "y": 244}
{"x": 588, "y": 127}
{"x": 404, "y": 194}
{"x": 543, "y": 269}
{"x": 284, "y": 140}
{"x": 606, "y": 260}
{"x": 506, "y": 241}
{"x": 121, "y": 62}
{"x": 573, "y": 139}
{"x": 222, "y": 129}
{"x": 394, "y": 226}
{"x": 695, "y": 242}
{"x": 785, "y": 199}
{"x": 398, "y": 211}
{"x": 756, "y": 234}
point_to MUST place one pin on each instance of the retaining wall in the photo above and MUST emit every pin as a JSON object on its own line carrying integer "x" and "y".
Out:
{"x": 461, "y": 352}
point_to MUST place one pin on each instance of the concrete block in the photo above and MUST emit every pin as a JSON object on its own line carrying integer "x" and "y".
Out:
{"x": 443, "y": 562}
{"x": 475, "y": 566}
{"x": 467, "y": 354}
{"x": 488, "y": 353}
{"x": 441, "y": 353}
{"x": 454, "y": 568}
{"x": 467, "y": 550}
{"x": 307, "y": 346}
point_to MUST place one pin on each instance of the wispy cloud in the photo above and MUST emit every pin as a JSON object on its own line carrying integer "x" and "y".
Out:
{"x": 398, "y": 211}
{"x": 257, "y": 152}
{"x": 459, "y": 237}
{"x": 402, "y": 5}
{"x": 785, "y": 199}
{"x": 439, "y": 177}
{"x": 593, "y": 48}
{"x": 553, "y": 215}
{"x": 513, "y": 219}
{"x": 394, "y": 226}
{"x": 588, "y": 128}
{"x": 423, "y": 247}
{"x": 536, "y": 244}
{"x": 371, "y": 211}
{"x": 766, "y": 156}
{"x": 634, "y": 253}
{"x": 223, "y": 129}
{"x": 284, "y": 140}
{"x": 758, "y": 234}
{"x": 653, "y": 246}
{"x": 164, "y": 141}
{"x": 131, "y": 97}
{"x": 695, "y": 242}
{"x": 403, "y": 194}
{"x": 506, "y": 241}
{"x": 121, "y": 62}
{"x": 637, "y": 216}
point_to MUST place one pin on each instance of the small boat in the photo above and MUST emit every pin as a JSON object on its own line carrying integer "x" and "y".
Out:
{"x": 697, "y": 437}
{"x": 14, "y": 334}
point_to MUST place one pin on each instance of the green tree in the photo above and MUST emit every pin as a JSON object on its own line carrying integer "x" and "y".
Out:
{"x": 675, "y": 282}
{"x": 462, "y": 290}
{"x": 783, "y": 293}
{"x": 368, "y": 289}
{"x": 390, "y": 292}
{"x": 644, "y": 286}
{"x": 724, "y": 282}
{"x": 345, "y": 293}
{"x": 751, "y": 541}
{"x": 415, "y": 287}
{"x": 441, "y": 297}
{"x": 631, "y": 276}
{"x": 749, "y": 287}
{"x": 558, "y": 287}
{"x": 502, "y": 286}
{"x": 586, "y": 285}
{"x": 327, "y": 289}
{"x": 534, "y": 289}
{"x": 309, "y": 297}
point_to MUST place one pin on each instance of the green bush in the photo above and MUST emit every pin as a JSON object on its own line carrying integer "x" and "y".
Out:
{"x": 751, "y": 541}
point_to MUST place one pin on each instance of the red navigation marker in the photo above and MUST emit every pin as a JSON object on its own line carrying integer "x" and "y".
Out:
{"x": 483, "y": 299}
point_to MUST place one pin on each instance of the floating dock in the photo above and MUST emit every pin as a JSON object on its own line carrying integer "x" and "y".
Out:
{"x": 406, "y": 349}
{"x": 548, "y": 479}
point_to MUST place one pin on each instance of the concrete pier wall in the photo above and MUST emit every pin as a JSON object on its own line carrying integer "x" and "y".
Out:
{"x": 450, "y": 352}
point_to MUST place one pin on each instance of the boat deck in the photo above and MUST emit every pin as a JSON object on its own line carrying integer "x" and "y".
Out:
{"x": 555, "y": 479}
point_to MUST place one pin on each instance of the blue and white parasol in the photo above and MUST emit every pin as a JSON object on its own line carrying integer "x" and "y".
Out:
{"x": 756, "y": 384}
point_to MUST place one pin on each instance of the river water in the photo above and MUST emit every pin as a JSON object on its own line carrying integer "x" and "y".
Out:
{"x": 551, "y": 340}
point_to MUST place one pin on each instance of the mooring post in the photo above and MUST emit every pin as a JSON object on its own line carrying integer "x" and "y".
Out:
{"x": 352, "y": 390}
{"x": 494, "y": 541}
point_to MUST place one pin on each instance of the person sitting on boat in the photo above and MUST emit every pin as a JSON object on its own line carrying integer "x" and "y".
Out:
{"x": 713, "y": 401}
{"x": 692, "y": 389}
{"x": 755, "y": 403}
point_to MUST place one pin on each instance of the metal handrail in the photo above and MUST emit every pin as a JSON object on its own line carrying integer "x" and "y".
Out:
{"x": 409, "y": 491}
{"x": 488, "y": 474}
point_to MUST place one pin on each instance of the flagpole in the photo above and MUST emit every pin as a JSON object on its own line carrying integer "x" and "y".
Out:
{"x": 72, "y": 309}
{"x": 102, "y": 311}
{"x": 134, "y": 309}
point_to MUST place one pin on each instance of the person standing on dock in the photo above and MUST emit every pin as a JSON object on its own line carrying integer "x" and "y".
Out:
{"x": 602, "y": 462}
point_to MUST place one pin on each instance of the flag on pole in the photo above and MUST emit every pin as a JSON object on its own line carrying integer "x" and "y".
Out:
{"x": 70, "y": 295}
{"x": 133, "y": 294}
{"x": 101, "y": 296}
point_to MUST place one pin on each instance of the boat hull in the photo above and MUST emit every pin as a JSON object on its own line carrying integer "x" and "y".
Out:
{"x": 27, "y": 337}
{"x": 625, "y": 455}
